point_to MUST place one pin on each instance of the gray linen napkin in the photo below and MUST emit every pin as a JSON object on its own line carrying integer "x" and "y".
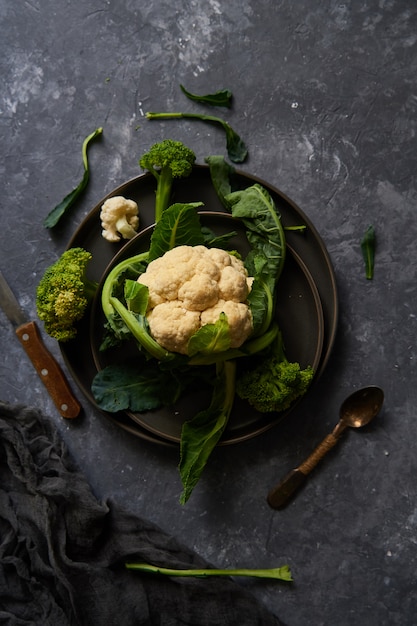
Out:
{"x": 62, "y": 552}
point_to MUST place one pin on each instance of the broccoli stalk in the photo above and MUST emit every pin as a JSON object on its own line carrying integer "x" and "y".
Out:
{"x": 167, "y": 160}
{"x": 274, "y": 383}
{"x": 63, "y": 294}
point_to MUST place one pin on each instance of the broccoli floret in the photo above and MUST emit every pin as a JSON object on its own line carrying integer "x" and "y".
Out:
{"x": 167, "y": 160}
{"x": 63, "y": 294}
{"x": 274, "y": 383}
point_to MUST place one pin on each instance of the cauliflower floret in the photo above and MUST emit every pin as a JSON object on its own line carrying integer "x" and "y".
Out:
{"x": 239, "y": 318}
{"x": 165, "y": 275}
{"x": 220, "y": 257}
{"x": 172, "y": 325}
{"x": 199, "y": 293}
{"x": 119, "y": 218}
{"x": 233, "y": 284}
{"x": 190, "y": 286}
{"x": 162, "y": 286}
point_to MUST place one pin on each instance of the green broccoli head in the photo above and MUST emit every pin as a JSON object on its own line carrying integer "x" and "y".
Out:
{"x": 169, "y": 154}
{"x": 63, "y": 294}
{"x": 167, "y": 160}
{"x": 274, "y": 384}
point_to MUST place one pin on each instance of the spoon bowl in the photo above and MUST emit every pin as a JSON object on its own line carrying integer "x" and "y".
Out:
{"x": 362, "y": 406}
{"x": 356, "y": 411}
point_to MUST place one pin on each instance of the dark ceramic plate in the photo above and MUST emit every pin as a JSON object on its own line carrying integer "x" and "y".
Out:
{"x": 299, "y": 314}
{"x": 308, "y": 281}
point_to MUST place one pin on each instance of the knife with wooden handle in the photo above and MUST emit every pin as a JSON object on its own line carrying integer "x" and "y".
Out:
{"x": 44, "y": 362}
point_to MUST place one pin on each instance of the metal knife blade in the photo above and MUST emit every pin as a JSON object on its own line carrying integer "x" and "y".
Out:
{"x": 44, "y": 362}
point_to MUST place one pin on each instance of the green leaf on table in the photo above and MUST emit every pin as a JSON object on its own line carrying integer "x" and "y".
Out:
{"x": 236, "y": 148}
{"x": 55, "y": 215}
{"x": 221, "y": 98}
{"x": 368, "y": 245}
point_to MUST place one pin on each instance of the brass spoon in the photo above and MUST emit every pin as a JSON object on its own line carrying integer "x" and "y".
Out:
{"x": 356, "y": 411}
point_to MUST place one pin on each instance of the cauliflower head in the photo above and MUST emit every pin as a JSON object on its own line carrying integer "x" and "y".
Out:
{"x": 189, "y": 287}
{"x": 119, "y": 218}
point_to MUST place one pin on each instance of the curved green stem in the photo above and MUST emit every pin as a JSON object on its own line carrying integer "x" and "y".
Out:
{"x": 107, "y": 290}
{"x": 139, "y": 332}
{"x": 236, "y": 148}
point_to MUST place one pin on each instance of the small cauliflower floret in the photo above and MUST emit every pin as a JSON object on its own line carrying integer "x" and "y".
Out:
{"x": 239, "y": 318}
{"x": 119, "y": 218}
{"x": 220, "y": 257}
{"x": 172, "y": 325}
{"x": 189, "y": 287}
{"x": 233, "y": 285}
{"x": 205, "y": 265}
{"x": 162, "y": 286}
{"x": 164, "y": 276}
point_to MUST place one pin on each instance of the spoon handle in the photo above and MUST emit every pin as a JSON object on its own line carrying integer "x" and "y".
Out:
{"x": 280, "y": 495}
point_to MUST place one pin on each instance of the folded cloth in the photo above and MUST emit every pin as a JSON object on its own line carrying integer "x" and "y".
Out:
{"x": 62, "y": 551}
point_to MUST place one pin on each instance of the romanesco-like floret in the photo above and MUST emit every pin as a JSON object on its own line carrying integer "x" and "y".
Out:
{"x": 63, "y": 293}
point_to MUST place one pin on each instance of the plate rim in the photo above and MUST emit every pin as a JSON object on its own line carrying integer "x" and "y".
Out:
{"x": 229, "y": 436}
{"x": 332, "y": 303}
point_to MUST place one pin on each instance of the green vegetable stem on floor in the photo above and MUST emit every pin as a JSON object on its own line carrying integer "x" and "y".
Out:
{"x": 368, "y": 246}
{"x": 275, "y": 573}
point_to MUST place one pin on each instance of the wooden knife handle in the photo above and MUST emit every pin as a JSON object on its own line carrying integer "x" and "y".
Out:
{"x": 49, "y": 370}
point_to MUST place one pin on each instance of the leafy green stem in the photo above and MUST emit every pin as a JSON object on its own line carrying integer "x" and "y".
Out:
{"x": 139, "y": 331}
{"x": 275, "y": 573}
{"x": 368, "y": 245}
{"x": 201, "y": 434}
{"x": 112, "y": 278}
{"x": 236, "y": 148}
{"x": 55, "y": 215}
{"x": 135, "y": 323}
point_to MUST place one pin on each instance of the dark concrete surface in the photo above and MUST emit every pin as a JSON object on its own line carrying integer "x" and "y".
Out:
{"x": 325, "y": 96}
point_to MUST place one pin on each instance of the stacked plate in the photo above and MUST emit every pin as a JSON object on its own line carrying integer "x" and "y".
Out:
{"x": 307, "y": 306}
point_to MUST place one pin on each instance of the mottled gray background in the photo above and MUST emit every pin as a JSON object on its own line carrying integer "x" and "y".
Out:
{"x": 325, "y": 95}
